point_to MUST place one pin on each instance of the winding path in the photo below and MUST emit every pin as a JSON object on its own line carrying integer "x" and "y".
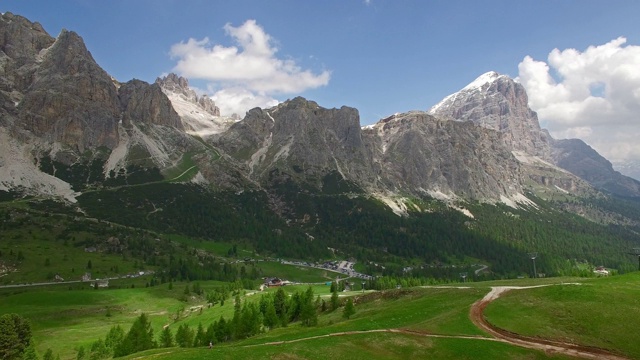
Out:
{"x": 477, "y": 317}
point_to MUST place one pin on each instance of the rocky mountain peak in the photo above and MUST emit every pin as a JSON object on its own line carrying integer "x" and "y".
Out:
{"x": 21, "y": 39}
{"x": 147, "y": 104}
{"x": 497, "y": 102}
{"x": 483, "y": 80}
{"x": 70, "y": 99}
{"x": 199, "y": 114}
{"x": 177, "y": 84}
{"x": 298, "y": 138}
{"x": 173, "y": 84}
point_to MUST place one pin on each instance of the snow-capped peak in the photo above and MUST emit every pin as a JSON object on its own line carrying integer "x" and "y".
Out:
{"x": 485, "y": 78}
{"x": 477, "y": 84}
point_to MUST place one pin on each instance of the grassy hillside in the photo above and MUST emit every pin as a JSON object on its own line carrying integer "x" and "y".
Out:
{"x": 600, "y": 313}
{"x": 396, "y": 324}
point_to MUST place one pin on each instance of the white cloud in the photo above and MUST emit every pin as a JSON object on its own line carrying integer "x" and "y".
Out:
{"x": 593, "y": 95}
{"x": 238, "y": 100}
{"x": 251, "y": 67}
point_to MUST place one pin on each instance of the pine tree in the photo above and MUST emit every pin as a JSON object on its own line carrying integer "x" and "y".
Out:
{"x": 166, "y": 338}
{"x": 184, "y": 336}
{"x": 139, "y": 337}
{"x": 114, "y": 338}
{"x": 308, "y": 313}
{"x": 335, "y": 301}
{"x": 15, "y": 336}
{"x": 200, "y": 338}
{"x": 349, "y": 309}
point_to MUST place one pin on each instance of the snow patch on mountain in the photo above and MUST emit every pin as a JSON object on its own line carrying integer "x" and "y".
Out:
{"x": 18, "y": 171}
{"x": 481, "y": 80}
{"x": 195, "y": 119}
{"x": 476, "y": 85}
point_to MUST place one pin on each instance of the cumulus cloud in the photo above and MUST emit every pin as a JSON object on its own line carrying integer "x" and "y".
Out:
{"x": 250, "y": 67}
{"x": 593, "y": 95}
{"x": 237, "y": 100}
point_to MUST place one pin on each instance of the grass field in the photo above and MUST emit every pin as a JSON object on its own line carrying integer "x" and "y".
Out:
{"x": 596, "y": 313}
{"x": 601, "y": 312}
{"x": 47, "y": 254}
{"x": 370, "y": 346}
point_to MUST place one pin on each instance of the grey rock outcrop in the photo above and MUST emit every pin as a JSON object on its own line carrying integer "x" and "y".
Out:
{"x": 179, "y": 85}
{"x": 21, "y": 43}
{"x": 497, "y": 102}
{"x": 57, "y": 100}
{"x": 421, "y": 154}
{"x": 146, "y": 104}
{"x": 301, "y": 139}
{"x": 576, "y": 156}
{"x": 71, "y": 100}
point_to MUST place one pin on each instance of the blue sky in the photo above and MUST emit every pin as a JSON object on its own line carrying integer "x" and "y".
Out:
{"x": 380, "y": 56}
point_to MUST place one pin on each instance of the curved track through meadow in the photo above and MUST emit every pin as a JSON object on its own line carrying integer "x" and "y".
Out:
{"x": 476, "y": 314}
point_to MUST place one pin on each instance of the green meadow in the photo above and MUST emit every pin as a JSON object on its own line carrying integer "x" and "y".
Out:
{"x": 601, "y": 312}
{"x": 394, "y": 324}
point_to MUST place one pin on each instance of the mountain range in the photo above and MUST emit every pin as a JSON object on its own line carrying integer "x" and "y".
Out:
{"x": 68, "y": 131}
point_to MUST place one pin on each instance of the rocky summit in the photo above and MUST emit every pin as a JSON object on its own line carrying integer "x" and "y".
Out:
{"x": 482, "y": 143}
{"x": 499, "y": 103}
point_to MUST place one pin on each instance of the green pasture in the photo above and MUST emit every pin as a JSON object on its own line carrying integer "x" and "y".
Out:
{"x": 601, "y": 312}
{"x": 369, "y": 346}
{"x": 44, "y": 255}
{"x": 63, "y": 319}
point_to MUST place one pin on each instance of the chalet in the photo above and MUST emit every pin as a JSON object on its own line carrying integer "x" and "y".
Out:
{"x": 273, "y": 282}
{"x": 601, "y": 271}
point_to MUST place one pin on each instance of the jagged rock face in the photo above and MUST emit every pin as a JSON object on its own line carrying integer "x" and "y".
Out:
{"x": 419, "y": 153}
{"x": 147, "y": 104}
{"x": 299, "y": 138}
{"x": 199, "y": 115}
{"x": 497, "y": 102}
{"x": 179, "y": 85}
{"x": 21, "y": 42}
{"x": 71, "y": 100}
{"x": 576, "y": 156}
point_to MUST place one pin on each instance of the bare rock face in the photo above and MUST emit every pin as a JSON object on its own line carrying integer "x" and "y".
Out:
{"x": 147, "y": 104}
{"x": 422, "y": 154}
{"x": 179, "y": 85}
{"x": 576, "y": 156}
{"x": 497, "y": 102}
{"x": 300, "y": 139}
{"x": 71, "y": 100}
{"x": 21, "y": 43}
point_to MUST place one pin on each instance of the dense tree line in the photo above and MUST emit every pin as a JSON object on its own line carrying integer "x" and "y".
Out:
{"x": 311, "y": 220}
{"x": 273, "y": 310}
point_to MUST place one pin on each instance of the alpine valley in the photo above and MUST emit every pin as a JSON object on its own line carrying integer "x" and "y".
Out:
{"x": 130, "y": 169}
